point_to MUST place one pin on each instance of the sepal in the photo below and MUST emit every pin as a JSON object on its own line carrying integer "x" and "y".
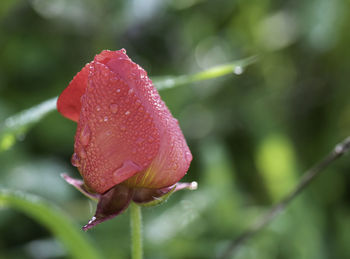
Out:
{"x": 81, "y": 187}
{"x": 147, "y": 197}
{"x": 111, "y": 204}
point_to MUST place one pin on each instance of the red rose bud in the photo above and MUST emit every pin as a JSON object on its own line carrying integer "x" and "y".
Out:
{"x": 128, "y": 146}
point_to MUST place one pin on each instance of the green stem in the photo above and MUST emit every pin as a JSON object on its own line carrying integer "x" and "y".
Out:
{"x": 136, "y": 231}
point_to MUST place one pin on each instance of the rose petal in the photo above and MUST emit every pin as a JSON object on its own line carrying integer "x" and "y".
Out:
{"x": 110, "y": 204}
{"x": 116, "y": 135}
{"x": 172, "y": 161}
{"x": 68, "y": 103}
{"x": 174, "y": 157}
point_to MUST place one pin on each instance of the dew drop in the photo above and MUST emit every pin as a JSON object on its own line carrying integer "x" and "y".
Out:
{"x": 139, "y": 141}
{"x": 188, "y": 156}
{"x": 131, "y": 91}
{"x": 114, "y": 108}
{"x": 193, "y": 186}
{"x": 98, "y": 108}
{"x": 238, "y": 70}
{"x": 82, "y": 153}
{"x": 105, "y": 118}
{"x": 118, "y": 90}
{"x": 92, "y": 220}
{"x": 127, "y": 112}
{"x": 85, "y": 135}
{"x": 75, "y": 160}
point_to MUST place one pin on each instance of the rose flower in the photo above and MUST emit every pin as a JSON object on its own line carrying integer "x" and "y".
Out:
{"x": 128, "y": 147}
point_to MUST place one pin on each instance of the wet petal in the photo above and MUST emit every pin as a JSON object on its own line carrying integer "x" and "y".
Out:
{"x": 172, "y": 161}
{"x": 174, "y": 157}
{"x": 110, "y": 204}
{"x": 68, "y": 103}
{"x": 114, "y": 129}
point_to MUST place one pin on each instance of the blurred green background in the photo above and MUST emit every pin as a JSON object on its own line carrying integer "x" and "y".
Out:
{"x": 251, "y": 135}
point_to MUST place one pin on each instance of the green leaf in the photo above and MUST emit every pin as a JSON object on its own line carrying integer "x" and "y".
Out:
{"x": 17, "y": 125}
{"x": 77, "y": 245}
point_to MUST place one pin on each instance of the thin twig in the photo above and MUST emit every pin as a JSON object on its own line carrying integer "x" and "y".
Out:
{"x": 339, "y": 150}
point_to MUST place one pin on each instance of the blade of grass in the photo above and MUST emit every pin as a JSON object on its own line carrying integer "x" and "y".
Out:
{"x": 77, "y": 245}
{"x": 18, "y": 124}
{"x": 235, "y": 67}
{"x": 308, "y": 177}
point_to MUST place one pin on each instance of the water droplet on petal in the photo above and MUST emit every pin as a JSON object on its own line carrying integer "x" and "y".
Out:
{"x": 188, "y": 156}
{"x": 131, "y": 91}
{"x": 127, "y": 112}
{"x": 98, "y": 108}
{"x": 75, "y": 160}
{"x": 118, "y": 90}
{"x": 105, "y": 118}
{"x": 82, "y": 153}
{"x": 139, "y": 141}
{"x": 114, "y": 108}
{"x": 85, "y": 135}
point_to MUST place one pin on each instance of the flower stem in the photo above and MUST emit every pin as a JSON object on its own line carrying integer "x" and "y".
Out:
{"x": 136, "y": 231}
